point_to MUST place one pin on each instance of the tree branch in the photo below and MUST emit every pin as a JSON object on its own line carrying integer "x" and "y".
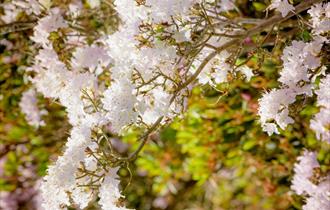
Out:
{"x": 258, "y": 28}
{"x": 16, "y": 26}
{"x": 267, "y": 23}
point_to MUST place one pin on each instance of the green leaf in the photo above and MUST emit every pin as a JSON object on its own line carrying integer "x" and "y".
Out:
{"x": 248, "y": 145}
{"x": 16, "y": 133}
{"x": 260, "y": 7}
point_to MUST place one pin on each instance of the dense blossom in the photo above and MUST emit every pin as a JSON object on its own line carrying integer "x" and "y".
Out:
{"x": 91, "y": 57}
{"x": 283, "y": 6}
{"x": 121, "y": 101}
{"x": 320, "y": 123}
{"x": 30, "y": 108}
{"x": 46, "y": 25}
{"x": 303, "y": 172}
{"x": 320, "y": 17}
{"x": 317, "y": 194}
{"x": 298, "y": 59}
{"x": 300, "y": 62}
{"x": 109, "y": 193}
{"x": 148, "y": 66}
{"x": 275, "y": 106}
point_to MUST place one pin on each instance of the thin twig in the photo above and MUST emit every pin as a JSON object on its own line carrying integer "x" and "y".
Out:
{"x": 265, "y": 24}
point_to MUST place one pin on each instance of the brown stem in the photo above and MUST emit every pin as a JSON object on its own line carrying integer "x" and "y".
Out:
{"x": 144, "y": 138}
{"x": 260, "y": 27}
{"x": 16, "y": 26}
{"x": 267, "y": 23}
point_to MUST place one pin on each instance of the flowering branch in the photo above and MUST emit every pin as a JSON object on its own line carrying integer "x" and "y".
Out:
{"x": 260, "y": 27}
{"x": 141, "y": 71}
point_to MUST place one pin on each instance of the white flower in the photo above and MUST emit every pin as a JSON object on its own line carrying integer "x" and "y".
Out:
{"x": 109, "y": 191}
{"x": 75, "y": 8}
{"x": 51, "y": 73}
{"x": 11, "y": 12}
{"x": 298, "y": 59}
{"x": 91, "y": 57}
{"x": 321, "y": 121}
{"x": 320, "y": 18}
{"x": 323, "y": 93}
{"x": 320, "y": 124}
{"x": 215, "y": 71}
{"x": 30, "y": 6}
{"x": 29, "y": 107}
{"x": 315, "y": 202}
{"x": 274, "y": 106}
{"x": 317, "y": 194}
{"x": 321, "y": 198}
{"x": 226, "y": 5}
{"x": 282, "y": 6}
{"x": 120, "y": 103}
{"x": 61, "y": 176}
{"x": 46, "y": 25}
{"x": 183, "y": 35}
{"x": 159, "y": 106}
{"x": 247, "y": 71}
{"x": 303, "y": 171}
{"x": 163, "y": 10}
{"x": 82, "y": 196}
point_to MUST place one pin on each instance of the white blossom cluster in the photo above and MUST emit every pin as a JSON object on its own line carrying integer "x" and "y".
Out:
{"x": 59, "y": 81}
{"x": 155, "y": 65}
{"x": 282, "y": 6}
{"x": 109, "y": 193}
{"x": 298, "y": 61}
{"x": 141, "y": 90}
{"x": 301, "y": 67}
{"x": 320, "y": 14}
{"x": 14, "y": 8}
{"x": 29, "y": 106}
{"x": 218, "y": 69}
{"x": 321, "y": 121}
{"x": 297, "y": 77}
{"x": 148, "y": 76}
{"x": 317, "y": 193}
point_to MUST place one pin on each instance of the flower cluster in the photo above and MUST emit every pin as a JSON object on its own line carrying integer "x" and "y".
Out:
{"x": 320, "y": 123}
{"x": 29, "y": 107}
{"x": 143, "y": 88}
{"x": 282, "y": 6}
{"x": 317, "y": 193}
{"x": 320, "y": 18}
{"x": 299, "y": 61}
{"x": 301, "y": 67}
{"x": 30, "y": 7}
{"x": 142, "y": 74}
{"x": 300, "y": 64}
